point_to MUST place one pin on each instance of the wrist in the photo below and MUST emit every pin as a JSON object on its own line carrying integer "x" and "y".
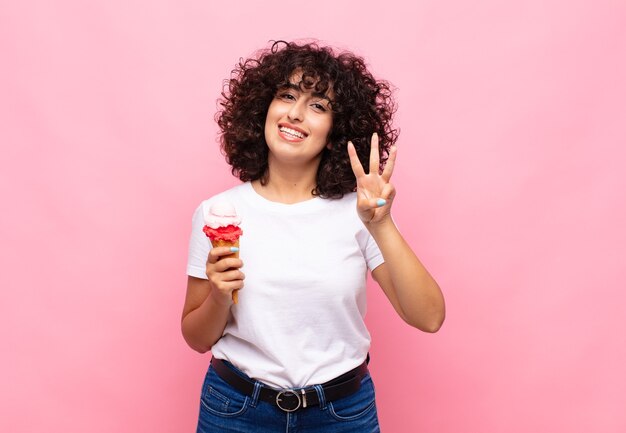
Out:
{"x": 385, "y": 223}
{"x": 219, "y": 299}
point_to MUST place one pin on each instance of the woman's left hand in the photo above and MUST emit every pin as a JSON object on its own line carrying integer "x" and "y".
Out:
{"x": 375, "y": 193}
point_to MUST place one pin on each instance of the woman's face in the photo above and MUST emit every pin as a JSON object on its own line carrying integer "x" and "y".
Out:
{"x": 298, "y": 124}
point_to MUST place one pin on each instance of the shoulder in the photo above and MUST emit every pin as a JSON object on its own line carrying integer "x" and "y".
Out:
{"x": 345, "y": 205}
{"x": 344, "y": 210}
{"x": 345, "y": 202}
{"x": 232, "y": 195}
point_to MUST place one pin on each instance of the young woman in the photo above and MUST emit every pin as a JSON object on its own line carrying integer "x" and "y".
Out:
{"x": 309, "y": 132}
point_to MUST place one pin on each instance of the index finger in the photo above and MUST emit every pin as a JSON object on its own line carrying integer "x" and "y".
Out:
{"x": 216, "y": 253}
{"x": 374, "y": 154}
{"x": 357, "y": 168}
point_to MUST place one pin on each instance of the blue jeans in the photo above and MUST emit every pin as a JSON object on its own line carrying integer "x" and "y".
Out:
{"x": 224, "y": 409}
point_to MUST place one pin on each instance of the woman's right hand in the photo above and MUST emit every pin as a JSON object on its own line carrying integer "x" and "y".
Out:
{"x": 224, "y": 275}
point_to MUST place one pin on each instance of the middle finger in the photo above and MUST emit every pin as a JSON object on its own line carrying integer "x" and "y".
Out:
{"x": 228, "y": 263}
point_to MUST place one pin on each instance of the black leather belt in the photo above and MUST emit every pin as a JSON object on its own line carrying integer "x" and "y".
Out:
{"x": 290, "y": 400}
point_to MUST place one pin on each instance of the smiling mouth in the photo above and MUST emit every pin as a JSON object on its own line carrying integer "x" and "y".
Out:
{"x": 292, "y": 133}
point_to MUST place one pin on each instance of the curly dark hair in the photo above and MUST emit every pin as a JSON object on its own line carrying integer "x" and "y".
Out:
{"x": 361, "y": 105}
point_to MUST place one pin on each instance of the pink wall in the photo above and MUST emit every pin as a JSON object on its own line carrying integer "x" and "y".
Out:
{"x": 511, "y": 188}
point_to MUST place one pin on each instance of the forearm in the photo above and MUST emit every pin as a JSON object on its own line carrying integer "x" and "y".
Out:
{"x": 203, "y": 326}
{"x": 412, "y": 290}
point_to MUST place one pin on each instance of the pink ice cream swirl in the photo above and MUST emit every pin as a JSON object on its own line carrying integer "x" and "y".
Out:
{"x": 222, "y": 222}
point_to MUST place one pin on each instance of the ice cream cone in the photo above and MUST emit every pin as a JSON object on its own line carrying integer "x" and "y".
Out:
{"x": 222, "y": 229}
{"x": 223, "y": 243}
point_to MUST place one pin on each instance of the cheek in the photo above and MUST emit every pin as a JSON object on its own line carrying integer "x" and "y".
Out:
{"x": 270, "y": 117}
{"x": 266, "y": 129}
{"x": 274, "y": 109}
{"x": 327, "y": 128}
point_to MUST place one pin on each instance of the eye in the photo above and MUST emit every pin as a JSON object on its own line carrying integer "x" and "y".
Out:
{"x": 319, "y": 107}
{"x": 287, "y": 96}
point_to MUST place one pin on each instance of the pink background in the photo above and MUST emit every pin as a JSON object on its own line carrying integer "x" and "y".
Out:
{"x": 511, "y": 189}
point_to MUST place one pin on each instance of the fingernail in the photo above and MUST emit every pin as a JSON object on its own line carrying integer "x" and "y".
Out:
{"x": 234, "y": 249}
{"x": 381, "y": 202}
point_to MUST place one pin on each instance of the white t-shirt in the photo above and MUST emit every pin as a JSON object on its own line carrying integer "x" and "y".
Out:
{"x": 299, "y": 319}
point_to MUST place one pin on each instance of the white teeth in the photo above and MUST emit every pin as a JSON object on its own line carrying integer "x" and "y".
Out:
{"x": 291, "y": 132}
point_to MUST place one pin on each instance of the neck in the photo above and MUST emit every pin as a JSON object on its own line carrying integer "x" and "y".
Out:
{"x": 287, "y": 184}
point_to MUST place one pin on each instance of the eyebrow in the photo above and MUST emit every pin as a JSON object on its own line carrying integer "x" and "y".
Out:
{"x": 297, "y": 88}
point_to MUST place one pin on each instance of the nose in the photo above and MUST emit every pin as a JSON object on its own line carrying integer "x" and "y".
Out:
{"x": 296, "y": 111}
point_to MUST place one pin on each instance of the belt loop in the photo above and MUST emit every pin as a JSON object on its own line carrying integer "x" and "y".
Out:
{"x": 320, "y": 396}
{"x": 255, "y": 393}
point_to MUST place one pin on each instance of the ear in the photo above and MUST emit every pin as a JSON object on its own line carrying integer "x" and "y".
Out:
{"x": 329, "y": 145}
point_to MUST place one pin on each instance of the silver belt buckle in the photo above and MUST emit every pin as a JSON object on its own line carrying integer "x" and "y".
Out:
{"x": 288, "y": 400}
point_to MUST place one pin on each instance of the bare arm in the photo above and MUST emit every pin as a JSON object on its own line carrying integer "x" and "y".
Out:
{"x": 208, "y": 302}
{"x": 414, "y": 294}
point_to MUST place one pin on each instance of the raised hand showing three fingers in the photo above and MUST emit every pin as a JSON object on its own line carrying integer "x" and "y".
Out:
{"x": 375, "y": 193}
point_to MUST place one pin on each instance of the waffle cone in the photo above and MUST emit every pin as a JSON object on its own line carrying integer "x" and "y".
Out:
{"x": 222, "y": 243}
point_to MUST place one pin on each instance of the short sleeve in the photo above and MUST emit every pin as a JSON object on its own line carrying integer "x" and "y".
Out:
{"x": 199, "y": 246}
{"x": 372, "y": 253}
